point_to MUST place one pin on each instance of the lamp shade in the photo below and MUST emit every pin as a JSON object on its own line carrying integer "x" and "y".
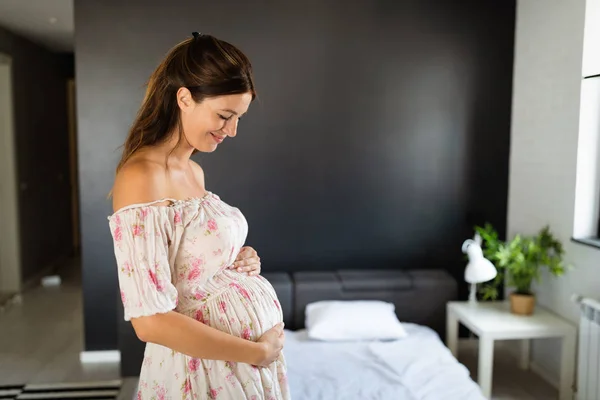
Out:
{"x": 479, "y": 269}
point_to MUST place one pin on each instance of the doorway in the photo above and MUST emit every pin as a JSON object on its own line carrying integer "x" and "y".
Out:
{"x": 10, "y": 262}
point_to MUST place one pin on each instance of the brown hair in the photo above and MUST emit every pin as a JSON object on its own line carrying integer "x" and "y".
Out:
{"x": 207, "y": 66}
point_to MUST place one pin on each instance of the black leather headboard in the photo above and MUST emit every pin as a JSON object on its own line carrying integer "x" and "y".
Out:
{"x": 420, "y": 296}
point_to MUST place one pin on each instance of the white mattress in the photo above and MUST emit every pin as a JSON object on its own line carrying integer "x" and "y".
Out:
{"x": 418, "y": 367}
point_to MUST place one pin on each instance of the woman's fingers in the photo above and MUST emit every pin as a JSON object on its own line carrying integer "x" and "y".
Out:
{"x": 249, "y": 267}
{"x": 247, "y": 261}
{"x": 247, "y": 264}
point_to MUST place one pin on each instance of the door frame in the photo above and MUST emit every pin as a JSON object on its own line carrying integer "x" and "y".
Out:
{"x": 73, "y": 168}
{"x": 10, "y": 256}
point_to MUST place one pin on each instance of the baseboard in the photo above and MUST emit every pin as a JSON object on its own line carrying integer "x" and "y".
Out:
{"x": 34, "y": 280}
{"x": 51, "y": 269}
{"x": 544, "y": 374}
{"x": 512, "y": 348}
{"x": 105, "y": 356}
{"x": 8, "y": 300}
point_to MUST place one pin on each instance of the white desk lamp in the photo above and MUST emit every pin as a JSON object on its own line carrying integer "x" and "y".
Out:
{"x": 479, "y": 269}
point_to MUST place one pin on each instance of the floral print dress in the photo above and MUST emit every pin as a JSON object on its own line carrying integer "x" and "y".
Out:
{"x": 176, "y": 257}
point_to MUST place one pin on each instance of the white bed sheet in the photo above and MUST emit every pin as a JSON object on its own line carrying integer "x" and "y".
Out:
{"x": 418, "y": 367}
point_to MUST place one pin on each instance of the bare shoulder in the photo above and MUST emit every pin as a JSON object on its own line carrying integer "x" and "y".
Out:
{"x": 139, "y": 181}
{"x": 198, "y": 173}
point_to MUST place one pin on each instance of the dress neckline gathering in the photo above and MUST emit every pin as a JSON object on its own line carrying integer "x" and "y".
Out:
{"x": 173, "y": 202}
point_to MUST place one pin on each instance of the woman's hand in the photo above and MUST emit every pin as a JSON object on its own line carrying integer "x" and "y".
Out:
{"x": 272, "y": 342}
{"x": 247, "y": 261}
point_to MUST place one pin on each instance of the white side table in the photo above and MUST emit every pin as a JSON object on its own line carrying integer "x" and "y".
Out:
{"x": 493, "y": 321}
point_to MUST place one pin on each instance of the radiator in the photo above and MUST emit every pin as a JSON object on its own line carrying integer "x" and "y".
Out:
{"x": 588, "y": 366}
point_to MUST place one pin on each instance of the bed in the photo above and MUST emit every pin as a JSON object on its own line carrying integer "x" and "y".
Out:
{"x": 417, "y": 367}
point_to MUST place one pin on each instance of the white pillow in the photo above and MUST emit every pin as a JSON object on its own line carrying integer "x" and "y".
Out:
{"x": 353, "y": 320}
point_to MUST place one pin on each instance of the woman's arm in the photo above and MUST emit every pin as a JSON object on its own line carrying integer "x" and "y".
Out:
{"x": 195, "y": 339}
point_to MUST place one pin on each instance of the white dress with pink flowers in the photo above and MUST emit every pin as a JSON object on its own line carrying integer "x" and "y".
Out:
{"x": 176, "y": 257}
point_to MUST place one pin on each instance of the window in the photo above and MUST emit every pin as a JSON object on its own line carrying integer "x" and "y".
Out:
{"x": 586, "y": 227}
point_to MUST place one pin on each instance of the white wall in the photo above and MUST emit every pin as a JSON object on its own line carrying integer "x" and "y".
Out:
{"x": 544, "y": 143}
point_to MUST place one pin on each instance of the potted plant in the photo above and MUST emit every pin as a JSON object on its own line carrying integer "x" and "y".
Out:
{"x": 521, "y": 261}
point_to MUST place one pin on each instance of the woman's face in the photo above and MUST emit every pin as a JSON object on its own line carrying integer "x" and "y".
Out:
{"x": 207, "y": 124}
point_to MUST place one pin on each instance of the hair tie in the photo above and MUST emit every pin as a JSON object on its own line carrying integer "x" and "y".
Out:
{"x": 196, "y": 35}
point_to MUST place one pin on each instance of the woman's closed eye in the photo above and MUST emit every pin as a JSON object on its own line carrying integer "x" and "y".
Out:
{"x": 224, "y": 118}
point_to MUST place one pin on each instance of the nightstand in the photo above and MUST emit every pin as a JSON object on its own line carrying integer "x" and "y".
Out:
{"x": 492, "y": 321}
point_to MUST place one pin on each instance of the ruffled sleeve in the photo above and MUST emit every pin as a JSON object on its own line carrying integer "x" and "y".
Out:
{"x": 141, "y": 244}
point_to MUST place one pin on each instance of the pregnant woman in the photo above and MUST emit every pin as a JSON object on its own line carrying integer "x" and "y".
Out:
{"x": 192, "y": 290}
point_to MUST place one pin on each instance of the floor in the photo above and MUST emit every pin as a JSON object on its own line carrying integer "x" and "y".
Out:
{"x": 41, "y": 338}
{"x": 509, "y": 382}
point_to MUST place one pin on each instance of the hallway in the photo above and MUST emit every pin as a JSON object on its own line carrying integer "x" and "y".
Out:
{"x": 42, "y": 336}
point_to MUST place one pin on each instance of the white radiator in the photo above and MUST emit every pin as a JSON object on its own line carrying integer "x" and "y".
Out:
{"x": 588, "y": 368}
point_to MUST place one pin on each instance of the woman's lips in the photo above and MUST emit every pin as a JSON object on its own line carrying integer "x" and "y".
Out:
{"x": 218, "y": 139}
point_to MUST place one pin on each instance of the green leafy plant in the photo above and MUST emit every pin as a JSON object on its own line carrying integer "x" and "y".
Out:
{"x": 520, "y": 260}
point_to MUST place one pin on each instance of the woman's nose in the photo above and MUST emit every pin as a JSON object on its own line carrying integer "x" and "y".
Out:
{"x": 230, "y": 127}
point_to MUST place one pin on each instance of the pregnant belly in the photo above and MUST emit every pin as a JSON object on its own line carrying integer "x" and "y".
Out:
{"x": 244, "y": 306}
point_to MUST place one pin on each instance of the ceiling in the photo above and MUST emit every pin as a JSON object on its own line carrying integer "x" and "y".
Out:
{"x": 46, "y": 22}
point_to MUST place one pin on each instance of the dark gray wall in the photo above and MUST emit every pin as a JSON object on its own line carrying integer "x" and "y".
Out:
{"x": 381, "y": 134}
{"x": 42, "y": 151}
